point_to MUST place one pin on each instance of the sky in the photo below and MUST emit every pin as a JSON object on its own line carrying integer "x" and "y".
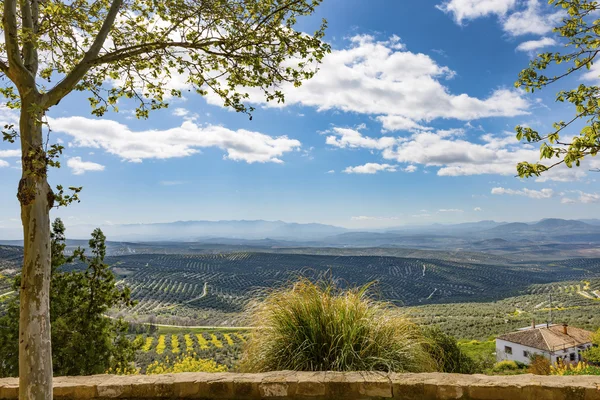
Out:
{"x": 410, "y": 120}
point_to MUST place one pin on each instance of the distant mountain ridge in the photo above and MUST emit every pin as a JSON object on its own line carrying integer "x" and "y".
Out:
{"x": 290, "y": 234}
{"x": 206, "y": 230}
{"x": 548, "y": 226}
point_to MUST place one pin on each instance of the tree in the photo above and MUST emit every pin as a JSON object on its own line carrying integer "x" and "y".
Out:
{"x": 445, "y": 351}
{"x": 115, "y": 49}
{"x": 582, "y": 34}
{"x": 86, "y": 341}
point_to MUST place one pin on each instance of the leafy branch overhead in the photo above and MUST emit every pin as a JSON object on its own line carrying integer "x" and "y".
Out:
{"x": 133, "y": 48}
{"x": 582, "y": 34}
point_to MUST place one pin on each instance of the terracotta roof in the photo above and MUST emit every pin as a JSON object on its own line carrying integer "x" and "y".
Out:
{"x": 549, "y": 339}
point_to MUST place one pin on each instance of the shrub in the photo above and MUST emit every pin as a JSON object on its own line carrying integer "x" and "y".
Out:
{"x": 445, "y": 351}
{"x": 505, "y": 366}
{"x": 539, "y": 365}
{"x": 187, "y": 363}
{"x": 581, "y": 368}
{"x": 319, "y": 327}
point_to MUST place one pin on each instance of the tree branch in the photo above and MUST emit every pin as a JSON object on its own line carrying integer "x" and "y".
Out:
{"x": 136, "y": 50}
{"x": 65, "y": 86}
{"x": 29, "y": 15}
{"x": 16, "y": 70}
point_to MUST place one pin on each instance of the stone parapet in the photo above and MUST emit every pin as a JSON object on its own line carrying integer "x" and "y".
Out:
{"x": 319, "y": 385}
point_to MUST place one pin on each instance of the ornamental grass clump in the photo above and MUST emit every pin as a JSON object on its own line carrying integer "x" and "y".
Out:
{"x": 319, "y": 327}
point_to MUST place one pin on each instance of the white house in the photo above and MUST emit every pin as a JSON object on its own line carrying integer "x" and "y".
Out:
{"x": 552, "y": 341}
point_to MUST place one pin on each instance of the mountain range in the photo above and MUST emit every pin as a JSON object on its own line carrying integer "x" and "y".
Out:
{"x": 279, "y": 233}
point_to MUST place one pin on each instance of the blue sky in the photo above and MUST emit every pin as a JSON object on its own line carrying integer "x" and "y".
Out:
{"x": 409, "y": 121}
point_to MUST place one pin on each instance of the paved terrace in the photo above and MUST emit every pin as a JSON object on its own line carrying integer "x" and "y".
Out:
{"x": 319, "y": 385}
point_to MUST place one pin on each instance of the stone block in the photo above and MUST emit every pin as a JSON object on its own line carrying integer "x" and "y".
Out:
{"x": 281, "y": 384}
{"x": 311, "y": 384}
{"x": 9, "y": 388}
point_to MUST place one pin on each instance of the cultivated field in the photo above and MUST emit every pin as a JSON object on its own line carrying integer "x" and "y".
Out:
{"x": 213, "y": 289}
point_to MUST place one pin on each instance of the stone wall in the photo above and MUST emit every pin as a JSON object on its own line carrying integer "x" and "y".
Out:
{"x": 319, "y": 385}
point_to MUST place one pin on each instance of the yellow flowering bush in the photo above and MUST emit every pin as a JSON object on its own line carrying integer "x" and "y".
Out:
{"x": 174, "y": 344}
{"x": 187, "y": 363}
{"x": 581, "y": 368}
{"x": 129, "y": 370}
{"x": 228, "y": 339}
{"x": 160, "y": 347}
{"x": 189, "y": 344}
{"x": 148, "y": 344}
{"x": 215, "y": 340}
{"x": 202, "y": 341}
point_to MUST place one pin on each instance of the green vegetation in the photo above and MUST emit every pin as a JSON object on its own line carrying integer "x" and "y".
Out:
{"x": 170, "y": 288}
{"x": 506, "y": 367}
{"x": 482, "y": 354}
{"x": 85, "y": 341}
{"x": 580, "y": 368}
{"x": 319, "y": 327}
{"x": 480, "y": 321}
{"x": 447, "y": 353}
{"x": 593, "y": 354}
{"x": 580, "y": 35}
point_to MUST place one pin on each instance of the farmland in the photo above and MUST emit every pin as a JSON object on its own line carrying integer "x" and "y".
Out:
{"x": 222, "y": 346}
{"x": 213, "y": 289}
{"x": 572, "y": 302}
{"x": 469, "y": 295}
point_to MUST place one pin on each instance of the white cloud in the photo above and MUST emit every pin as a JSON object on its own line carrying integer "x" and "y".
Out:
{"x": 586, "y": 198}
{"x": 533, "y": 45}
{"x": 350, "y": 138}
{"x": 331, "y": 171}
{"x": 410, "y": 168}
{"x": 401, "y": 88}
{"x": 532, "y": 20}
{"x": 399, "y": 123}
{"x": 534, "y": 194}
{"x": 593, "y": 74}
{"x": 80, "y": 167}
{"x": 453, "y": 153}
{"x": 477, "y": 209}
{"x": 180, "y": 112}
{"x": 471, "y": 9}
{"x": 370, "y": 168}
{"x": 182, "y": 141}
{"x": 185, "y": 114}
{"x": 451, "y": 210}
{"x": 10, "y": 153}
{"x": 3, "y": 164}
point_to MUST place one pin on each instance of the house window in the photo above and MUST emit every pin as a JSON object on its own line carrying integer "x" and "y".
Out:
{"x": 508, "y": 349}
{"x": 525, "y": 353}
{"x": 572, "y": 356}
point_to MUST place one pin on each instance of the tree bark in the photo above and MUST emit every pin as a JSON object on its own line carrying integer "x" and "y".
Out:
{"x": 36, "y": 198}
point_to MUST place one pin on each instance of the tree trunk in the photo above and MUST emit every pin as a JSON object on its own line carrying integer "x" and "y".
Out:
{"x": 36, "y": 198}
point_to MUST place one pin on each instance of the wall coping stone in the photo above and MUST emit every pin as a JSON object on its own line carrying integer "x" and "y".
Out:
{"x": 282, "y": 385}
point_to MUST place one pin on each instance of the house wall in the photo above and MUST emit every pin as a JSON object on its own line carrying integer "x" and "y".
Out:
{"x": 517, "y": 352}
{"x": 518, "y": 355}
